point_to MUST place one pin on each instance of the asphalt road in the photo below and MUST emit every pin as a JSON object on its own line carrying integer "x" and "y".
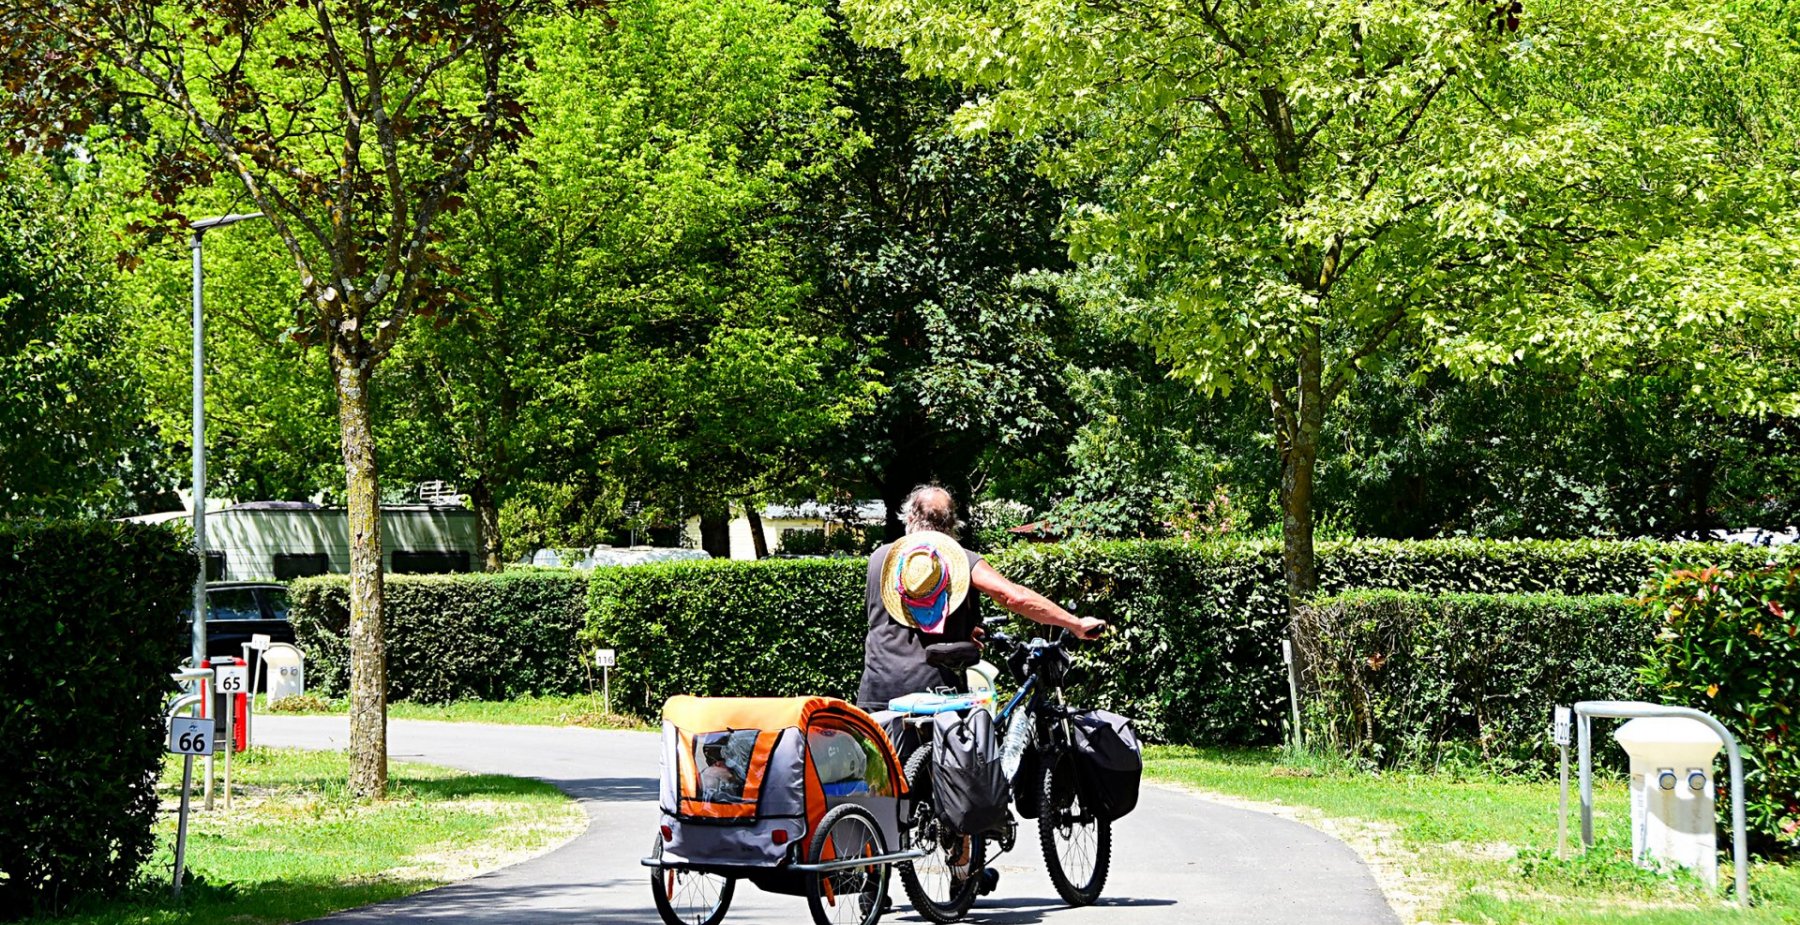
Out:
{"x": 1176, "y": 859}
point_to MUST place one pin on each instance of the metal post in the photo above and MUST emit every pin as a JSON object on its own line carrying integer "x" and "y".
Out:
{"x": 1562, "y": 817}
{"x": 187, "y": 783}
{"x": 1287, "y": 657}
{"x": 230, "y": 743}
{"x": 606, "y": 685}
{"x": 1585, "y": 732}
{"x": 199, "y": 632}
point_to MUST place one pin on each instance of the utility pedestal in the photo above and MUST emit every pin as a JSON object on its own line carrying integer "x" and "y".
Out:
{"x": 1672, "y": 792}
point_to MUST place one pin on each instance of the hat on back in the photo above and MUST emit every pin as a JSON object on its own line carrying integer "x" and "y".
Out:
{"x": 924, "y": 578}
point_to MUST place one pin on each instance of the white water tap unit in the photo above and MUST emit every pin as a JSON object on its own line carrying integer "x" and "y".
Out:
{"x": 1672, "y": 794}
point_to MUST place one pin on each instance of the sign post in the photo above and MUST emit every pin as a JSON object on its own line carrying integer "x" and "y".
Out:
{"x": 1559, "y": 731}
{"x": 188, "y": 736}
{"x": 605, "y": 659}
{"x": 230, "y": 680}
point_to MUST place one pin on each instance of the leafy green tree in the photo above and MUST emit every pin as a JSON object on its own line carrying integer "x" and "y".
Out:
{"x": 1282, "y": 187}
{"x": 73, "y": 432}
{"x": 352, "y": 125}
{"x": 639, "y": 328}
{"x": 925, "y": 244}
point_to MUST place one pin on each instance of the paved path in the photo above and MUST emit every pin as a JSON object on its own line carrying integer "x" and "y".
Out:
{"x": 1176, "y": 859}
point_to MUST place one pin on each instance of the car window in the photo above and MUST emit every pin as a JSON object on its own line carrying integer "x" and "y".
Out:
{"x": 277, "y": 600}
{"x": 232, "y": 604}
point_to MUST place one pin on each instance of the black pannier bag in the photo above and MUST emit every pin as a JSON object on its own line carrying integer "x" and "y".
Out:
{"x": 1028, "y": 782}
{"x": 967, "y": 784}
{"x": 1106, "y": 748}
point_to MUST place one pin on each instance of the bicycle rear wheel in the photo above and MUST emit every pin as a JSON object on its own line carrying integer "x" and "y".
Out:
{"x": 930, "y": 882}
{"x": 1077, "y": 845}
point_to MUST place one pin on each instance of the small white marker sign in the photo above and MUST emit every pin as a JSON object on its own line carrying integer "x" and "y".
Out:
{"x": 231, "y": 679}
{"x": 190, "y": 736}
{"x": 605, "y": 658}
{"x": 1560, "y": 730}
{"x": 260, "y": 641}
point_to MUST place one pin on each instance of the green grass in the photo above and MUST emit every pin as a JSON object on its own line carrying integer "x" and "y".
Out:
{"x": 577, "y": 710}
{"x": 296, "y": 845}
{"x": 1482, "y": 849}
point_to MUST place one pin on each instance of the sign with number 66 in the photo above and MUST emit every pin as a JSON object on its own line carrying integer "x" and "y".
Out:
{"x": 231, "y": 679}
{"x": 190, "y": 736}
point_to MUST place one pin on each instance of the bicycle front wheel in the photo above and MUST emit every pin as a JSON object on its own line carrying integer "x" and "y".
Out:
{"x": 1077, "y": 844}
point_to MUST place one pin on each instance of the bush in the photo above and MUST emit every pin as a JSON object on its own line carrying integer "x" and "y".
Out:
{"x": 1729, "y": 643}
{"x": 454, "y": 637}
{"x": 94, "y": 625}
{"x": 1399, "y": 677}
{"x": 1194, "y": 655}
{"x": 779, "y": 627}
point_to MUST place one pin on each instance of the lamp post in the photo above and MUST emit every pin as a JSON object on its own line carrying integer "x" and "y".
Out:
{"x": 199, "y": 229}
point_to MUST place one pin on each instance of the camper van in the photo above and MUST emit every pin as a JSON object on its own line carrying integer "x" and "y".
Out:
{"x": 289, "y": 539}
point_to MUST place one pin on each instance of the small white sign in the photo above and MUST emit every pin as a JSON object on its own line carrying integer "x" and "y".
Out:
{"x": 231, "y": 679}
{"x": 190, "y": 736}
{"x": 605, "y": 658}
{"x": 1560, "y": 730}
{"x": 259, "y": 641}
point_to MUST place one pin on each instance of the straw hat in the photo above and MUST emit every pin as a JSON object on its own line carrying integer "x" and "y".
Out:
{"x": 924, "y": 578}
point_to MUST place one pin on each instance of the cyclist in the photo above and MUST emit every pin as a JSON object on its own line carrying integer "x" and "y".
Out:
{"x": 918, "y": 595}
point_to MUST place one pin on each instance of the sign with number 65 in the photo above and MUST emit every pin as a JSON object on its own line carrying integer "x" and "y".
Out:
{"x": 231, "y": 679}
{"x": 190, "y": 736}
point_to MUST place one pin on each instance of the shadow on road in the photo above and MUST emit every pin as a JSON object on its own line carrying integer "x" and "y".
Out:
{"x": 611, "y": 789}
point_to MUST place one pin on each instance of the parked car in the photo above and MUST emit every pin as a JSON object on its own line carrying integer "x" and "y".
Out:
{"x": 237, "y": 610}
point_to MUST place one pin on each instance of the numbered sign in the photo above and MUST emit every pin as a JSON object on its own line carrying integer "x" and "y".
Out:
{"x": 231, "y": 679}
{"x": 260, "y": 641}
{"x": 605, "y": 658}
{"x": 1560, "y": 729}
{"x": 190, "y": 736}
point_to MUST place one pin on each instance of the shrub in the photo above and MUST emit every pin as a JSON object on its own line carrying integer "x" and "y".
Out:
{"x": 94, "y": 625}
{"x": 1397, "y": 677}
{"x": 1729, "y": 643}
{"x": 1194, "y": 655}
{"x": 454, "y": 637}
{"x": 779, "y": 627}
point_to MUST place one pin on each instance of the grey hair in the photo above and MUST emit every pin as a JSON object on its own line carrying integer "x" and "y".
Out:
{"x": 929, "y": 507}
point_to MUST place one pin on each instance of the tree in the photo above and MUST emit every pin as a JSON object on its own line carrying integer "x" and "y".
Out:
{"x": 639, "y": 321}
{"x": 71, "y": 409}
{"x": 925, "y": 245}
{"x": 1282, "y": 187}
{"x": 351, "y": 124}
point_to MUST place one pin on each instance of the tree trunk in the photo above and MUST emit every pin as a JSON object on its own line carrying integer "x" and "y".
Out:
{"x": 368, "y": 651}
{"x": 1300, "y": 416}
{"x": 487, "y": 511}
{"x": 758, "y": 542}
{"x": 715, "y": 533}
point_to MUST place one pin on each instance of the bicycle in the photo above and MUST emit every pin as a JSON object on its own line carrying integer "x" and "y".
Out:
{"x": 1076, "y": 844}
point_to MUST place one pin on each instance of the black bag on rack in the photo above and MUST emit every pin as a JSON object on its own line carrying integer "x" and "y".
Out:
{"x": 967, "y": 785}
{"x": 1109, "y": 762}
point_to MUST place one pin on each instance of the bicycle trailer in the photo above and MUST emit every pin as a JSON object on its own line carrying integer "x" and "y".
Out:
{"x": 797, "y": 795}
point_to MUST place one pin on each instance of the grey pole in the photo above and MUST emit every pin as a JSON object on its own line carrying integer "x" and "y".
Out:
{"x": 199, "y": 457}
{"x": 200, "y": 228}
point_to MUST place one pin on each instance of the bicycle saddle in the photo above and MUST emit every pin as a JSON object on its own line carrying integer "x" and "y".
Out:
{"x": 956, "y": 656}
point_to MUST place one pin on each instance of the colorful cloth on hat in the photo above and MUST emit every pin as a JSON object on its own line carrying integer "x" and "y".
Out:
{"x": 928, "y": 609}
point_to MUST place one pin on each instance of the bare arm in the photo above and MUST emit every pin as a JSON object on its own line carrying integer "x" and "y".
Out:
{"x": 1029, "y": 604}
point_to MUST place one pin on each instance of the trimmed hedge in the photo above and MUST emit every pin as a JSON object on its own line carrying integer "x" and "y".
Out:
{"x": 1729, "y": 644}
{"x": 1195, "y": 652}
{"x": 454, "y": 637}
{"x": 94, "y": 624}
{"x": 1396, "y": 677}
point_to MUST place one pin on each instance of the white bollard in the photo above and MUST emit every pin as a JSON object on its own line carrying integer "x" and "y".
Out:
{"x": 1672, "y": 787}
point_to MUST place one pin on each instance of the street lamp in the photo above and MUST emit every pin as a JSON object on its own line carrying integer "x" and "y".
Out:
{"x": 199, "y": 229}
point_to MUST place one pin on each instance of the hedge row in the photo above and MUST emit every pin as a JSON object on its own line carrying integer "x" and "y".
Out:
{"x": 1729, "y": 644}
{"x": 1195, "y": 651}
{"x": 454, "y": 637}
{"x": 94, "y": 624}
{"x": 1399, "y": 677}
